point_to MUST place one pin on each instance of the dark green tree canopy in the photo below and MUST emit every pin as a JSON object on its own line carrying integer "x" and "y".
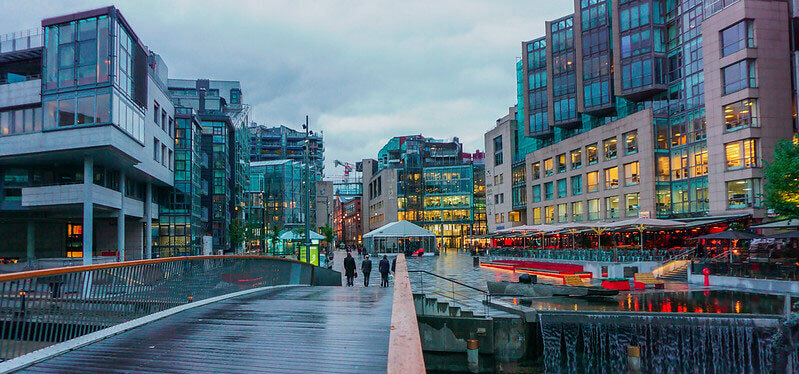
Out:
{"x": 781, "y": 190}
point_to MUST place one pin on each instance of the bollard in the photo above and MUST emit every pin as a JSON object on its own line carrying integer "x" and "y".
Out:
{"x": 706, "y": 272}
{"x": 476, "y": 261}
{"x": 472, "y": 355}
{"x": 633, "y": 359}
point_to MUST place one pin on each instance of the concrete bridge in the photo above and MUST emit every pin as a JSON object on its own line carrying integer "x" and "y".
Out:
{"x": 205, "y": 314}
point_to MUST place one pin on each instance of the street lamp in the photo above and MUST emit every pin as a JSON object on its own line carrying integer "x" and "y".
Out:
{"x": 308, "y": 132}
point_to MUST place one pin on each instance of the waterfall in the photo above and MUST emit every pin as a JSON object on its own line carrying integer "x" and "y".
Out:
{"x": 670, "y": 343}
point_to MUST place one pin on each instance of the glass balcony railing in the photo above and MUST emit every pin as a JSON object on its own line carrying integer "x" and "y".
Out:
{"x": 22, "y": 40}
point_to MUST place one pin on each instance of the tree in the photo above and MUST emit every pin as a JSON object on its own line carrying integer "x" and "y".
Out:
{"x": 236, "y": 233}
{"x": 327, "y": 232}
{"x": 274, "y": 235}
{"x": 782, "y": 180}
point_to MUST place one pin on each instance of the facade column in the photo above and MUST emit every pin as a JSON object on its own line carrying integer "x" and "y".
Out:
{"x": 121, "y": 218}
{"x": 31, "y": 246}
{"x": 88, "y": 210}
{"x": 148, "y": 221}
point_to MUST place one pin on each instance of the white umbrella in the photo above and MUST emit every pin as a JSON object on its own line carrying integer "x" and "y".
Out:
{"x": 641, "y": 223}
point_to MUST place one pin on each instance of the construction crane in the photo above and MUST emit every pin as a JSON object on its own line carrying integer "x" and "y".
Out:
{"x": 348, "y": 167}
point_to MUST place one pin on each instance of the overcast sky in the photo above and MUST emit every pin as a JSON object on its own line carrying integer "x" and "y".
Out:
{"x": 364, "y": 71}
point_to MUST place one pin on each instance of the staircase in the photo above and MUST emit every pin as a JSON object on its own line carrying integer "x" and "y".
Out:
{"x": 430, "y": 306}
{"x": 678, "y": 274}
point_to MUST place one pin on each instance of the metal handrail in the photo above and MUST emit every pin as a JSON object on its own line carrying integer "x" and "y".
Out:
{"x": 486, "y": 295}
{"x": 449, "y": 279}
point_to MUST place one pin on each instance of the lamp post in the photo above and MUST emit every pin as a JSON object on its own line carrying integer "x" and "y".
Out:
{"x": 307, "y": 192}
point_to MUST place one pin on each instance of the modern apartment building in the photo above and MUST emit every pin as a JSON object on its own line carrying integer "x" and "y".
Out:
{"x": 502, "y": 203}
{"x": 281, "y": 143}
{"x": 85, "y": 157}
{"x": 652, "y": 108}
{"x": 224, "y": 141}
{"x": 275, "y": 196}
{"x": 429, "y": 182}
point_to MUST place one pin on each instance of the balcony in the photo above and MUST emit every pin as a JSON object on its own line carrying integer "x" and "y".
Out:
{"x": 23, "y": 92}
{"x": 21, "y": 44}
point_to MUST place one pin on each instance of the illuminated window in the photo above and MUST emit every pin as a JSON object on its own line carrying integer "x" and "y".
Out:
{"x": 741, "y": 154}
{"x": 611, "y": 178}
{"x": 740, "y": 114}
{"x": 576, "y": 158}
{"x": 631, "y": 207}
{"x": 609, "y": 146}
{"x": 631, "y": 142}
{"x": 631, "y": 175}
{"x": 743, "y": 193}
{"x": 612, "y": 207}
{"x": 549, "y": 214}
{"x": 562, "y": 163}
{"x": 549, "y": 167}
{"x": 577, "y": 211}
{"x": 535, "y": 169}
{"x": 563, "y": 213}
{"x": 590, "y": 152}
{"x": 536, "y": 216}
{"x": 593, "y": 181}
{"x": 593, "y": 209}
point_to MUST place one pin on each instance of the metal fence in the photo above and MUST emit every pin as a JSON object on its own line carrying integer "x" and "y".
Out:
{"x": 762, "y": 270}
{"x": 619, "y": 255}
{"x": 45, "y": 307}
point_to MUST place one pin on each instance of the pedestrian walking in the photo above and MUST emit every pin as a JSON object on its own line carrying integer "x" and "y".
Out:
{"x": 366, "y": 269}
{"x": 349, "y": 269}
{"x": 384, "y": 267}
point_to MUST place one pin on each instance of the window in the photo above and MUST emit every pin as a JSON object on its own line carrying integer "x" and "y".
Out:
{"x": 631, "y": 142}
{"x": 156, "y": 148}
{"x": 156, "y": 112}
{"x": 631, "y": 204}
{"x": 590, "y": 152}
{"x": 536, "y": 216}
{"x": 548, "y": 193}
{"x": 536, "y": 193}
{"x": 593, "y": 181}
{"x": 631, "y": 174}
{"x": 549, "y": 214}
{"x": 577, "y": 211}
{"x": 171, "y": 127}
{"x": 737, "y": 37}
{"x": 163, "y": 154}
{"x": 612, "y": 207}
{"x": 66, "y": 112}
{"x": 170, "y": 160}
{"x": 611, "y": 178}
{"x": 743, "y": 193}
{"x": 563, "y": 213}
{"x": 738, "y": 76}
{"x": 577, "y": 185}
{"x": 593, "y": 209}
{"x": 235, "y": 96}
{"x": 576, "y": 158}
{"x": 741, "y": 154}
{"x": 498, "y": 151}
{"x": 163, "y": 120}
{"x": 740, "y": 114}
{"x": 610, "y": 148}
{"x": 562, "y": 189}
{"x": 536, "y": 170}
{"x": 548, "y": 167}
{"x": 561, "y": 163}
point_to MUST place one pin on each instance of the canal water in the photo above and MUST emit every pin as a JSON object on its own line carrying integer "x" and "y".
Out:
{"x": 681, "y": 329}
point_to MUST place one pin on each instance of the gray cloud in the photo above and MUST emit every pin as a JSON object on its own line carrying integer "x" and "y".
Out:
{"x": 363, "y": 70}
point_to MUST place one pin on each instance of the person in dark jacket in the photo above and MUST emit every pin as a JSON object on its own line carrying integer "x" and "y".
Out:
{"x": 366, "y": 269}
{"x": 394, "y": 266}
{"x": 384, "y": 267}
{"x": 349, "y": 269}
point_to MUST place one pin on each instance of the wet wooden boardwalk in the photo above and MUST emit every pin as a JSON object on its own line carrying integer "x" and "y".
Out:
{"x": 289, "y": 330}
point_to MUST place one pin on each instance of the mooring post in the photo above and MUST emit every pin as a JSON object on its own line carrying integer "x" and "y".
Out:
{"x": 472, "y": 355}
{"x": 633, "y": 359}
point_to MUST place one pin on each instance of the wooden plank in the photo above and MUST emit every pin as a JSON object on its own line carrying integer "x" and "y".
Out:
{"x": 296, "y": 329}
{"x": 405, "y": 352}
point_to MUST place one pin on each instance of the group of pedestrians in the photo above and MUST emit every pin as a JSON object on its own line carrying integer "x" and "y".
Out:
{"x": 384, "y": 267}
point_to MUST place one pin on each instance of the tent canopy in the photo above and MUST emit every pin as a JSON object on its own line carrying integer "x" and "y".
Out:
{"x": 785, "y": 235}
{"x": 647, "y": 222}
{"x": 294, "y": 235}
{"x": 399, "y": 229}
{"x": 730, "y": 235}
{"x": 782, "y": 224}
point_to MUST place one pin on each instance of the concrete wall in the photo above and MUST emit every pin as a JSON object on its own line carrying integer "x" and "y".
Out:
{"x": 21, "y": 93}
{"x": 751, "y": 284}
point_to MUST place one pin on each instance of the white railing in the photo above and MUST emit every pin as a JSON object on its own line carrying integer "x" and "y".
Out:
{"x": 21, "y": 40}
